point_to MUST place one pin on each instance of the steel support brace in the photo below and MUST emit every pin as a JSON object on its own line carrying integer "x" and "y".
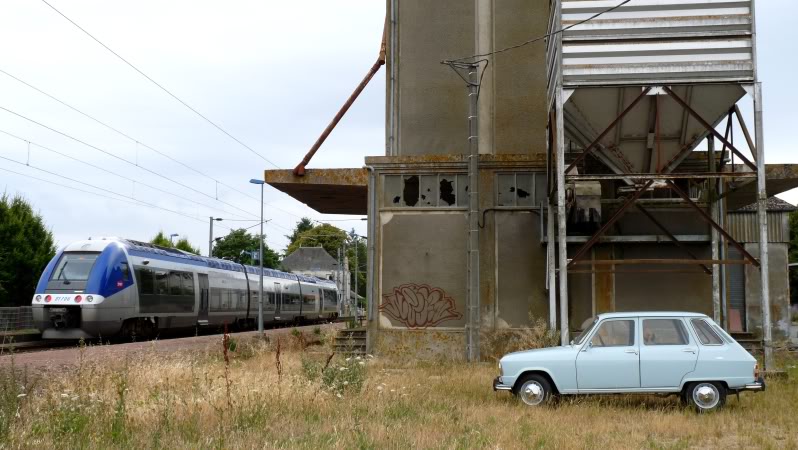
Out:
{"x": 673, "y": 238}
{"x": 595, "y": 238}
{"x": 709, "y": 127}
{"x": 707, "y": 218}
{"x": 614, "y": 123}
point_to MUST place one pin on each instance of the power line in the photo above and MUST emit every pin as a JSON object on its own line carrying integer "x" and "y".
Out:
{"x": 123, "y": 159}
{"x": 160, "y": 86}
{"x": 113, "y": 173}
{"x": 539, "y": 38}
{"x": 134, "y": 200}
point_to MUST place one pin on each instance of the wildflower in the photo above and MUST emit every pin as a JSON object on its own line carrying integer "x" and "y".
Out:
{"x": 22, "y": 395}
{"x": 380, "y": 388}
{"x": 339, "y": 395}
{"x": 342, "y": 369}
{"x": 349, "y": 359}
{"x": 64, "y": 395}
{"x": 362, "y": 363}
{"x": 358, "y": 358}
{"x": 346, "y": 383}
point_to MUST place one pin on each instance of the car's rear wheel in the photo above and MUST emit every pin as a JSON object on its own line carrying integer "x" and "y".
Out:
{"x": 533, "y": 390}
{"x": 706, "y": 396}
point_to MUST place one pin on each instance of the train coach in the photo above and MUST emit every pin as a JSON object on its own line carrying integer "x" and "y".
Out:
{"x": 120, "y": 287}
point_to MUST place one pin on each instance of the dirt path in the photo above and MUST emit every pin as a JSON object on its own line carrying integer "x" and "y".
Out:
{"x": 49, "y": 360}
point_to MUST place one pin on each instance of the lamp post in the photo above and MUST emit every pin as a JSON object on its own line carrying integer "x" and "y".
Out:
{"x": 171, "y": 238}
{"x": 210, "y": 236}
{"x": 260, "y": 257}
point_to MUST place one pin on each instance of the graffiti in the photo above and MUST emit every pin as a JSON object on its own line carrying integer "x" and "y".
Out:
{"x": 419, "y": 306}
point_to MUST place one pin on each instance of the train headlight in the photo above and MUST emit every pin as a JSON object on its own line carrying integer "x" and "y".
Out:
{"x": 89, "y": 298}
{"x": 38, "y": 298}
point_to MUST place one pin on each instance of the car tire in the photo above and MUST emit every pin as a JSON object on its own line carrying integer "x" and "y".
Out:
{"x": 706, "y": 396}
{"x": 533, "y": 390}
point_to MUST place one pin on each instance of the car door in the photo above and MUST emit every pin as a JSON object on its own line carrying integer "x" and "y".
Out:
{"x": 609, "y": 360}
{"x": 667, "y": 352}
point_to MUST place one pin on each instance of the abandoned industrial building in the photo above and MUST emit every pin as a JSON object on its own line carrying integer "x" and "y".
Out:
{"x": 567, "y": 158}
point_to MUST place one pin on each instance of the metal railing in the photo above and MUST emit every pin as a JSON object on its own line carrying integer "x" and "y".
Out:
{"x": 14, "y": 319}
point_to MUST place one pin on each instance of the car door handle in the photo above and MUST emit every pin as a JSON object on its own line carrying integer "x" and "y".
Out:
{"x": 689, "y": 350}
{"x": 631, "y": 351}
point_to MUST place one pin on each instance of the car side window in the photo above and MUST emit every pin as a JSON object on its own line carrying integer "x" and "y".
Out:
{"x": 705, "y": 333}
{"x": 615, "y": 333}
{"x": 664, "y": 332}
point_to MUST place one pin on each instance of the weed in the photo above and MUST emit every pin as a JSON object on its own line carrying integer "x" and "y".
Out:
{"x": 497, "y": 343}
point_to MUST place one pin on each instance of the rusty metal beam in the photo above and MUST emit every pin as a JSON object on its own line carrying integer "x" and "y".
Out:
{"x": 707, "y": 218}
{"x": 709, "y": 127}
{"x": 659, "y": 262}
{"x": 299, "y": 170}
{"x": 601, "y": 136}
{"x": 746, "y": 133}
{"x": 629, "y": 202}
{"x": 687, "y": 271}
{"x": 678, "y": 243}
{"x": 668, "y": 176}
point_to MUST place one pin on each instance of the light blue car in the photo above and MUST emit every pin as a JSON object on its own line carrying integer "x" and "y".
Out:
{"x": 678, "y": 353}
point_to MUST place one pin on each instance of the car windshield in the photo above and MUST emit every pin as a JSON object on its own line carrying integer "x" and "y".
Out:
{"x": 587, "y": 325}
{"x": 74, "y": 267}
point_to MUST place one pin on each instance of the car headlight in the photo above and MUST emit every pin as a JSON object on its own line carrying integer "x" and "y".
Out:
{"x": 500, "y": 368}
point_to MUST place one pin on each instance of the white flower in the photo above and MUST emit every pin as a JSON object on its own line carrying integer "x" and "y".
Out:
{"x": 22, "y": 395}
{"x": 379, "y": 388}
{"x": 64, "y": 395}
{"x": 346, "y": 383}
{"x": 339, "y": 395}
{"x": 342, "y": 369}
{"x": 362, "y": 363}
{"x": 358, "y": 358}
{"x": 349, "y": 359}
{"x": 393, "y": 390}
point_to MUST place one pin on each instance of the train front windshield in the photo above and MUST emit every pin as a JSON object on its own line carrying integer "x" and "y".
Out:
{"x": 74, "y": 267}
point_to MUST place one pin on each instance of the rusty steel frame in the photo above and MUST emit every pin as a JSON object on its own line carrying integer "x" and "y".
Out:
{"x": 707, "y": 218}
{"x": 660, "y": 176}
{"x": 612, "y": 125}
{"x": 660, "y": 261}
{"x": 678, "y": 243}
{"x": 618, "y": 214}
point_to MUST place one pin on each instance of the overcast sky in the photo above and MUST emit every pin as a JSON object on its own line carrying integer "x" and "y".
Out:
{"x": 271, "y": 73}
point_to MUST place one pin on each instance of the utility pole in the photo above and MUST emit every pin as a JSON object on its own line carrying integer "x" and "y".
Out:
{"x": 210, "y": 240}
{"x": 357, "y": 297}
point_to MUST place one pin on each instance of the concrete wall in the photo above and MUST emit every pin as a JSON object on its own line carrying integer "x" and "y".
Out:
{"x": 779, "y": 291}
{"x": 427, "y": 103}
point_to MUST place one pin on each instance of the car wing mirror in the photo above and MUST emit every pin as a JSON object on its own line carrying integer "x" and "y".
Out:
{"x": 572, "y": 342}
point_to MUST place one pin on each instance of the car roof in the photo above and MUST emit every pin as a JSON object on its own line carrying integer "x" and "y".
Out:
{"x": 650, "y": 314}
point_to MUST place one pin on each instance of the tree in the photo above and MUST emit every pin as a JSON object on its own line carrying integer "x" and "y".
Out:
{"x": 240, "y": 246}
{"x": 303, "y": 225}
{"x": 161, "y": 240}
{"x": 326, "y": 236}
{"x": 185, "y": 245}
{"x": 26, "y": 247}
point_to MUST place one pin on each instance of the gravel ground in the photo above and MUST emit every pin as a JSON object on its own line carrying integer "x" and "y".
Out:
{"x": 49, "y": 360}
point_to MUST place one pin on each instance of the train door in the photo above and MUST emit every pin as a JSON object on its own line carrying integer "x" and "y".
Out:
{"x": 278, "y": 300}
{"x": 204, "y": 290}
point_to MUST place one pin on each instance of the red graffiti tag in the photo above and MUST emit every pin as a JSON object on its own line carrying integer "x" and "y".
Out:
{"x": 419, "y": 306}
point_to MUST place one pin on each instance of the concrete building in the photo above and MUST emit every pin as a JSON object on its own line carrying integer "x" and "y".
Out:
{"x": 430, "y": 244}
{"x": 316, "y": 262}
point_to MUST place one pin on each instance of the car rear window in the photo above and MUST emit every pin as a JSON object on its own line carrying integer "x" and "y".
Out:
{"x": 705, "y": 333}
{"x": 74, "y": 266}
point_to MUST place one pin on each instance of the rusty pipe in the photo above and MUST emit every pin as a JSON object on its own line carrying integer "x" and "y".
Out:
{"x": 299, "y": 170}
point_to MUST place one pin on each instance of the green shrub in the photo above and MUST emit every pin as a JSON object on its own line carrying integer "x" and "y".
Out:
{"x": 344, "y": 375}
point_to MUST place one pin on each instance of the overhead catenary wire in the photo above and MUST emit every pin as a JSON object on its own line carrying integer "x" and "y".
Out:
{"x": 161, "y": 86}
{"x": 123, "y": 160}
{"x": 114, "y": 173}
{"x": 539, "y": 38}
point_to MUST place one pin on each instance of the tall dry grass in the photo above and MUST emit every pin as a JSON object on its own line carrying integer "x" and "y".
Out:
{"x": 182, "y": 401}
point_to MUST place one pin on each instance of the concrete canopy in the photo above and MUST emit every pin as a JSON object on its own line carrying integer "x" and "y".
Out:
{"x": 780, "y": 178}
{"x": 328, "y": 191}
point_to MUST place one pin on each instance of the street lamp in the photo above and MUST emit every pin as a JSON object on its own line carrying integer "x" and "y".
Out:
{"x": 260, "y": 295}
{"x": 210, "y": 237}
{"x": 171, "y": 236}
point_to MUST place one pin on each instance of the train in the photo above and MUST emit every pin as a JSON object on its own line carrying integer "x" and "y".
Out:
{"x": 114, "y": 287}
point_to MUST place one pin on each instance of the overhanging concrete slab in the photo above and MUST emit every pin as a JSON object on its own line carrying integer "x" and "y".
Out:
{"x": 328, "y": 191}
{"x": 780, "y": 178}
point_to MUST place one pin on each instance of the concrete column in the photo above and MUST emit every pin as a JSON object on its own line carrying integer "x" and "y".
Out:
{"x": 561, "y": 218}
{"x": 715, "y": 211}
{"x": 763, "y": 226}
{"x": 484, "y": 44}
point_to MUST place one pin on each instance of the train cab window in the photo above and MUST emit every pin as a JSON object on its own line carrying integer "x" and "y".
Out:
{"x": 175, "y": 283}
{"x": 145, "y": 281}
{"x": 74, "y": 267}
{"x": 125, "y": 269}
{"x": 188, "y": 283}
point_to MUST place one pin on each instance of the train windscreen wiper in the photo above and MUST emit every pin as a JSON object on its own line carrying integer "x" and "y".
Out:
{"x": 61, "y": 274}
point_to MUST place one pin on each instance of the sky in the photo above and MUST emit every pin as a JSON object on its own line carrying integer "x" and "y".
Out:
{"x": 272, "y": 74}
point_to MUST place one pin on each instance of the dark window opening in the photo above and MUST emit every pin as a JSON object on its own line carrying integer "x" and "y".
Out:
{"x": 410, "y": 191}
{"x": 447, "y": 192}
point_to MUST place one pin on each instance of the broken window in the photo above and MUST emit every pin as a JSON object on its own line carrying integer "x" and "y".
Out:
{"x": 520, "y": 189}
{"x": 425, "y": 191}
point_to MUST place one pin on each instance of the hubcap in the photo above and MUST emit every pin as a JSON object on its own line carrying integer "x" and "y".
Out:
{"x": 532, "y": 393}
{"x": 706, "y": 396}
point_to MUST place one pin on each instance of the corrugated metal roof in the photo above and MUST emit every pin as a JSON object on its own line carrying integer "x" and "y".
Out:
{"x": 774, "y": 204}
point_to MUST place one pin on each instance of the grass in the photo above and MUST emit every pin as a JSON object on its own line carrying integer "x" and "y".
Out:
{"x": 198, "y": 400}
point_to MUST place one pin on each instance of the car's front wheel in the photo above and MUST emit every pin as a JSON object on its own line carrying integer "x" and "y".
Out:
{"x": 533, "y": 390}
{"x": 706, "y": 396}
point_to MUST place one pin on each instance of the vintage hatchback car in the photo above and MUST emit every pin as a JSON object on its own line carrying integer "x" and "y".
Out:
{"x": 678, "y": 353}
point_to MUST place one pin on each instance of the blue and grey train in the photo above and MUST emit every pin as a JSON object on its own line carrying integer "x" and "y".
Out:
{"x": 119, "y": 287}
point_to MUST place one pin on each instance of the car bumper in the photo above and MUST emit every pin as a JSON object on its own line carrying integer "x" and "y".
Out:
{"x": 757, "y": 386}
{"x": 499, "y": 386}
